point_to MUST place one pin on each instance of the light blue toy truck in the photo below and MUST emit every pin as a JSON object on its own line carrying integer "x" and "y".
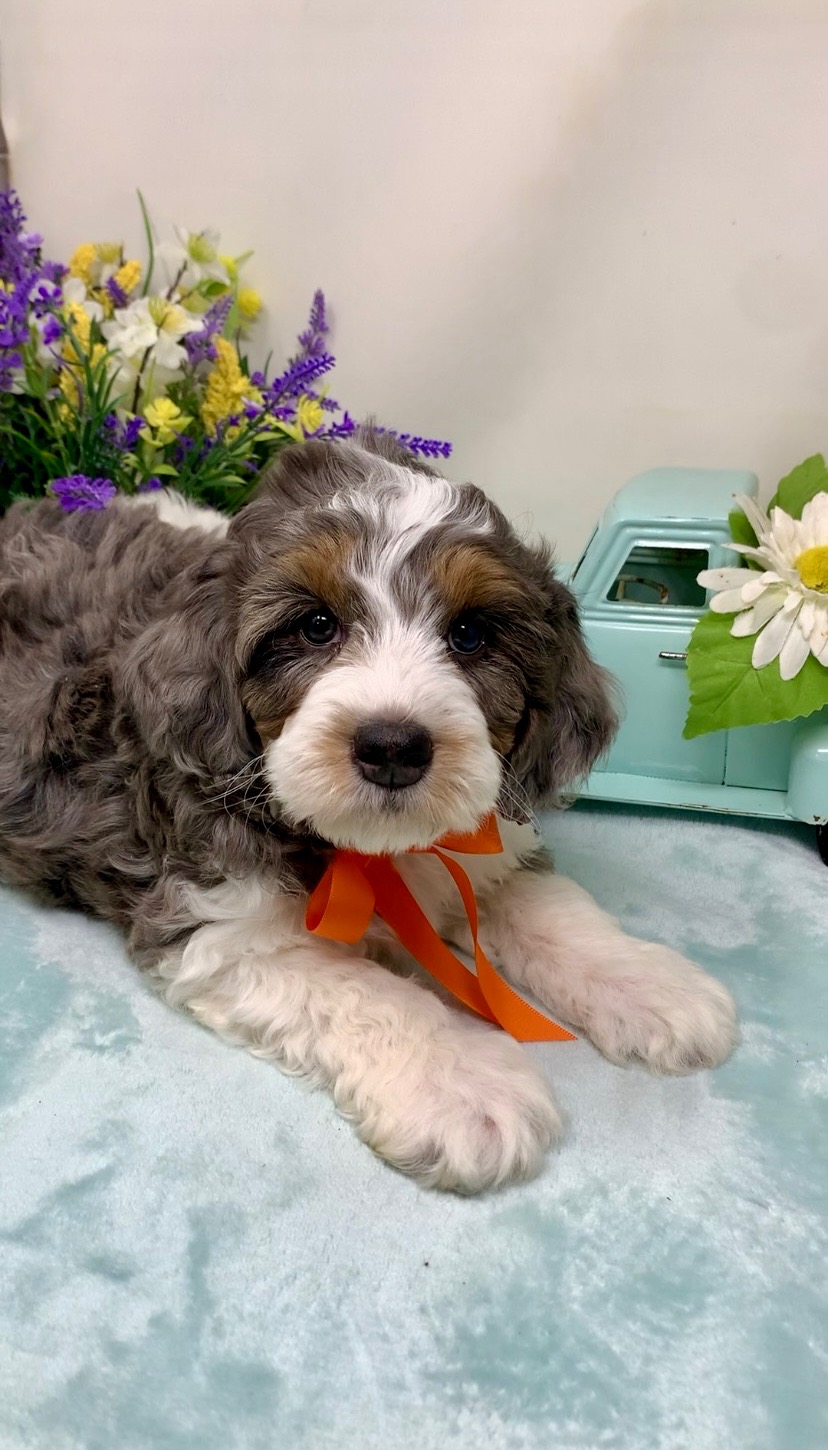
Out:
{"x": 636, "y": 585}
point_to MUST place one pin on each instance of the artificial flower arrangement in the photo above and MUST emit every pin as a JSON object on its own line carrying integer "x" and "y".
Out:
{"x": 122, "y": 377}
{"x": 760, "y": 653}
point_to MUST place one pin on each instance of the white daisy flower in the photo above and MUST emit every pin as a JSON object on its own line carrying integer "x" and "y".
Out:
{"x": 785, "y": 606}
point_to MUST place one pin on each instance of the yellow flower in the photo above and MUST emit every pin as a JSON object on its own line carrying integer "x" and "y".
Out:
{"x": 229, "y": 265}
{"x": 249, "y": 303}
{"x": 69, "y": 389}
{"x": 128, "y": 276}
{"x": 68, "y": 376}
{"x": 162, "y": 413}
{"x": 309, "y": 415}
{"x": 82, "y": 261}
{"x": 167, "y": 420}
{"x": 227, "y": 387}
{"x": 81, "y": 326}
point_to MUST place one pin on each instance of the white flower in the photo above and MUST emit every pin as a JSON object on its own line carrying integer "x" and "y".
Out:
{"x": 151, "y": 323}
{"x": 786, "y": 606}
{"x": 192, "y": 259}
{"x": 145, "y": 341}
{"x": 74, "y": 290}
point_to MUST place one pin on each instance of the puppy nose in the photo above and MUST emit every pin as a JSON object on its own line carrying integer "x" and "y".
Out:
{"x": 393, "y": 754}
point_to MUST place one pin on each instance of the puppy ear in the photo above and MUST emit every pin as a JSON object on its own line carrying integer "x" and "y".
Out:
{"x": 571, "y": 721}
{"x": 301, "y": 475}
{"x": 180, "y": 683}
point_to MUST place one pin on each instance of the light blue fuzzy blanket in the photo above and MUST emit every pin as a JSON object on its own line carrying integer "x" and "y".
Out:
{"x": 196, "y": 1252}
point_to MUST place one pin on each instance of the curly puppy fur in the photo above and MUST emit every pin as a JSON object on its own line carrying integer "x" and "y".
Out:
{"x": 178, "y": 757}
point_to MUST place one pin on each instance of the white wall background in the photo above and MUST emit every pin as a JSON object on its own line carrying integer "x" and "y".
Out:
{"x": 578, "y": 237}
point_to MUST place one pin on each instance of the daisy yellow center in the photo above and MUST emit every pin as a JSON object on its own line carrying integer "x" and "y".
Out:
{"x": 812, "y": 567}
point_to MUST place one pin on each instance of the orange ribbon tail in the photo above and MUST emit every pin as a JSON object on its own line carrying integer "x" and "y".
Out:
{"x": 355, "y": 887}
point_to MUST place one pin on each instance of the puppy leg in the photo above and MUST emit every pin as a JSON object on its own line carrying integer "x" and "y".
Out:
{"x": 633, "y": 999}
{"x": 454, "y": 1103}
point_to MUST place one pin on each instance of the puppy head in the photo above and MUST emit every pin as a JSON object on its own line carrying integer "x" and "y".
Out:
{"x": 407, "y": 662}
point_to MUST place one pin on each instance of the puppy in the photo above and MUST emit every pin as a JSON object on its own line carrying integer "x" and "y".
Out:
{"x": 194, "y": 712}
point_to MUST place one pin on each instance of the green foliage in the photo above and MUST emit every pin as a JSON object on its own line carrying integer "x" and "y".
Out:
{"x": 800, "y": 485}
{"x": 725, "y": 689}
{"x": 740, "y": 529}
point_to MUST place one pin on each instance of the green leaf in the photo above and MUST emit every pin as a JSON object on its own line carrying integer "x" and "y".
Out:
{"x": 150, "y": 246}
{"x": 213, "y": 289}
{"x": 800, "y": 485}
{"x": 725, "y": 689}
{"x": 165, "y": 469}
{"x": 740, "y": 528}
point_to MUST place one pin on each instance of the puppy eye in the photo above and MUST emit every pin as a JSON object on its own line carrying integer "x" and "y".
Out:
{"x": 467, "y": 635}
{"x": 320, "y": 626}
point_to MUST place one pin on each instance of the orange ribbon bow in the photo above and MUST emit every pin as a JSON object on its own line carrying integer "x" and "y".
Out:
{"x": 354, "y": 887}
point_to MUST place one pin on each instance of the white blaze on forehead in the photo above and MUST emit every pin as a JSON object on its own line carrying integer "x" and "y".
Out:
{"x": 401, "y": 507}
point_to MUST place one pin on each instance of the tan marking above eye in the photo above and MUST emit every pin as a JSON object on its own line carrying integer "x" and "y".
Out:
{"x": 285, "y": 585}
{"x": 470, "y": 577}
{"x": 321, "y": 567}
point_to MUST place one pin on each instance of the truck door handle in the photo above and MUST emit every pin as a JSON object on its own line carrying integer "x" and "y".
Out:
{"x": 672, "y": 654}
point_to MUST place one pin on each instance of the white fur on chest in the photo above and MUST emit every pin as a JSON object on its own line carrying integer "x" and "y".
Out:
{"x": 432, "y": 884}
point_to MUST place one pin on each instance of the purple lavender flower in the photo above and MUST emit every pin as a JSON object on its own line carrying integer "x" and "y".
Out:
{"x": 150, "y": 485}
{"x": 20, "y": 259}
{"x": 426, "y": 447}
{"x": 182, "y": 446}
{"x": 117, "y": 294}
{"x": 122, "y": 436}
{"x": 299, "y": 375}
{"x": 312, "y": 340}
{"x": 45, "y": 297}
{"x": 200, "y": 346}
{"x": 30, "y": 286}
{"x": 14, "y": 334}
{"x": 79, "y": 492}
{"x": 52, "y": 331}
{"x": 130, "y": 433}
{"x": 19, "y": 252}
{"x": 343, "y": 429}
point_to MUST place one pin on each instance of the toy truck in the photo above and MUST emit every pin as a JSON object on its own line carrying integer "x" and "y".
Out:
{"x": 639, "y": 599}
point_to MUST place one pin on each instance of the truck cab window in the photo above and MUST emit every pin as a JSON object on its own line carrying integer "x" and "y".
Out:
{"x": 661, "y": 574}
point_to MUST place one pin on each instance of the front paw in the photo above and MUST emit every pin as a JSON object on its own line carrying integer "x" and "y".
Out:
{"x": 665, "y": 1012}
{"x": 467, "y": 1111}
